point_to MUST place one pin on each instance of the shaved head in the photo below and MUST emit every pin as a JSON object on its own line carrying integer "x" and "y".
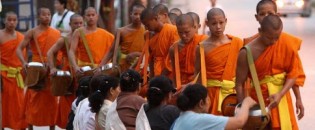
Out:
{"x": 90, "y": 9}
{"x": 147, "y": 14}
{"x": 136, "y": 5}
{"x": 214, "y": 12}
{"x": 271, "y": 22}
{"x": 173, "y": 18}
{"x": 176, "y": 11}
{"x": 160, "y": 9}
{"x": 195, "y": 16}
{"x": 184, "y": 19}
{"x": 42, "y": 9}
{"x": 75, "y": 16}
{"x": 10, "y": 13}
{"x": 263, "y": 2}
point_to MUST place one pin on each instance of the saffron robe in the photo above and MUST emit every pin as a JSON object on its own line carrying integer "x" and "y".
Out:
{"x": 12, "y": 95}
{"x": 41, "y": 106}
{"x": 159, "y": 46}
{"x": 221, "y": 65}
{"x": 99, "y": 43}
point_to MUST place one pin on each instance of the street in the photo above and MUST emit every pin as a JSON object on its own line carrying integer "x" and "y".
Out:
{"x": 242, "y": 23}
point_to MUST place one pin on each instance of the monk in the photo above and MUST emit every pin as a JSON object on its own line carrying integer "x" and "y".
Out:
{"x": 277, "y": 69}
{"x": 161, "y": 38}
{"x": 64, "y": 106}
{"x": 173, "y": 18}
{"x": 196, "y": 20}
{"x": 36, "y": 110}
{"x": 176, "y": 11}
{"x": 131, "y": 40}
{"x": 12, "y": 85}
{"x": 98, "y": 40}
{"x": 264, "y": 8}
{"x": 220, "y": 56}
{"x": 161, "y": 11}
{"x": 184, "y": 50}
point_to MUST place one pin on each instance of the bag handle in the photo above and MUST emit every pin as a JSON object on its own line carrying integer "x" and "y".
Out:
{"x": 85, "y": 43}
{"x": 116, "y": 47}
{"x": 203, "y": 65}
{"x": 177, "y": 68}
{"x": 37, "y": 48}
{"x": 63, "y": 17}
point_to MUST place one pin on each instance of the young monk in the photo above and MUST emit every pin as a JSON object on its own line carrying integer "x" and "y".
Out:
{"x": 131, "y": 40}
{"x": 12, "y": 93}
{"x": 64, "y": 106}
{"x": 98, "y": 40}
{"x": 277, "y": 69}
{"x": 176, "y": 11}
{"x": 173, "y": 18}
{"x": 196, "y": 18}
{"x": 220, "y": 56}
{"x": 37, "y": 112}
{"x": 183, "y": 69}
{"x": 265, "y": 8}
{"x": 161, "y": 38}
{"x": 162, "y": 13}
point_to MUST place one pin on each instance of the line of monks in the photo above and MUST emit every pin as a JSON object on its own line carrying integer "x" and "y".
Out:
{"x": 152, "y": 45}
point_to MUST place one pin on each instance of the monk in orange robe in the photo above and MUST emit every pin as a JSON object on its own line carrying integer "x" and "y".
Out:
{"x": 36, "y": 110}
{"x": 161, "y": 38}
{"x": 277, "y": 66}
{"x": 218, "y": 63}
{"x": 264, "y": 8}
{"x": 98, "y": 41}
{"x": 131, "y": 40}
{"x": 183, "y": 67}
{"x": 64, "y": 106}
{"x": 12, "y": 93}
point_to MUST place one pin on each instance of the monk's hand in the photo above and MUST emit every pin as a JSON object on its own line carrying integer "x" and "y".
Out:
{"x": 299, "y": 108}
{"x": 25, "y": 66}
{"x": 97, "y": 70}
{"x": 249, "y": 101}
{"x": 274, "y": 100}
{"x": 53, "y": 71}
{"x": 130, "y": 58}
{"x": 78, "y": 70}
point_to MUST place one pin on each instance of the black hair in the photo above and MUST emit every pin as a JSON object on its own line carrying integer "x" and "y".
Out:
{"x": 64, "y": 3}
{"x": 214, "y": 11}
{"x": 195, "y": 16}
{"x": 158, "y": 90}
{"x": 160, "y": 9}
{"x": 263, "y": 2}
{"x": 105, "y": 83}
{"x": 185, "y": 19}
{"x": 191, "y": 96}
{"x": 176, "y": 10}
{"x": 83, "y": 88}
{"x": 130, "y": 81}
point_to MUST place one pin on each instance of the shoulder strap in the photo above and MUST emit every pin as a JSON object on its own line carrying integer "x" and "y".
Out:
{"x": 255, "y": 80}
{"x": 85, "y": 43}
{"x": 177, "y": 68}
{"x": 37, "y": 47}
{"x": 63, "y": 17}
{"x": 67, "y": 49}
{"x": 116, "y": 47}
{"x": 203, "y": 65}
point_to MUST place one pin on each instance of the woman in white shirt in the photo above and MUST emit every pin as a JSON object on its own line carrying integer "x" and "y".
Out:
{"x": 102, "y": 98}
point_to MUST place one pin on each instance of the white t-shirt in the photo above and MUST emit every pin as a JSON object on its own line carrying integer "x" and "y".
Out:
{"x": 65, "y": 23}
{"x": 190, "y": 120}
{"x": 84, "y": 119}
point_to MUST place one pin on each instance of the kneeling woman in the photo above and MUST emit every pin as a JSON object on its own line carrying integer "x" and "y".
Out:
{"x": 194, "y": 103}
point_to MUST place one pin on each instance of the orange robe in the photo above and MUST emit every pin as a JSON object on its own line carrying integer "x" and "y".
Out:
{"x": 65, "y": 102}
{"x": 12, "y": 95}
{"x": 186, "y": 56}
{"x": 159, "y": 46}
{"x": 276, "y": 59}
{"x": 221, "y": 65}
{"x": 41, "y": 106}
{"x": 99, "y": 43}
{"x": 132, "y": 42}
{"x": 293, "y": 42}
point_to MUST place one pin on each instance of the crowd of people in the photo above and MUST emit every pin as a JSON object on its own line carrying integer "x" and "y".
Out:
{"x": 169, "y": 76}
